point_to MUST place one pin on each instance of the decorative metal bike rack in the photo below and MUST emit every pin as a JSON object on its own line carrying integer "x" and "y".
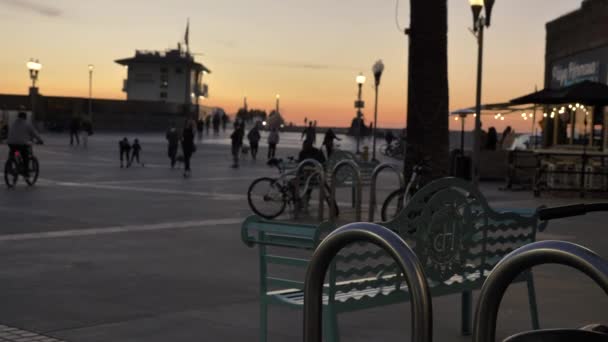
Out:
{"x": 320, "y": 172}
{"x": 374, "y": 179}
{"x": 357, "y": 188}
{"x": 422, "y": 311}
{"x": 534, "y": 254}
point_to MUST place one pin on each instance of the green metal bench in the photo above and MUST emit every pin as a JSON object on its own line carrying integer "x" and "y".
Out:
{"x": 456, "y": 235}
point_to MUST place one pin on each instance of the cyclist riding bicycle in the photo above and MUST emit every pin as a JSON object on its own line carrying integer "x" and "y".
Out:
{"x": 20, "y": 134}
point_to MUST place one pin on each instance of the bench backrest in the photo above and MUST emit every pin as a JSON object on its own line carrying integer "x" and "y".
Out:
{"x": 456, "y": 235}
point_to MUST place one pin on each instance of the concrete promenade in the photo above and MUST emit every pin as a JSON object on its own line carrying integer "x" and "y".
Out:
{"x": 97, "y": 253}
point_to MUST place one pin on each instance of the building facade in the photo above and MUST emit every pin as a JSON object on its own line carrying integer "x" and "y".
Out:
{"x": 172, "y": 76}
{"x": 576, "y": 50}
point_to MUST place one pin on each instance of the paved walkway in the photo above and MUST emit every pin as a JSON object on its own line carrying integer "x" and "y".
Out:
{"x": 99, "y": 253}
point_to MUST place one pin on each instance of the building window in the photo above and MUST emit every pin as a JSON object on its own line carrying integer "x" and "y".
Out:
{"x": 163, "y": 95}
{"x": 178, "y": 70}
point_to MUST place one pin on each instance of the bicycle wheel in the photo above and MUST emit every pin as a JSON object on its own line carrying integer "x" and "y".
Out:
{"x": 11, "y": 173}
{"x": 33, "y": 168}
{"x": 266, "y": 198}
{"x": 392, "y": 205}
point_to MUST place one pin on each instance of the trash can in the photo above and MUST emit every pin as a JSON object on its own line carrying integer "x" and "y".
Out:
{"x": 460, "y": 165}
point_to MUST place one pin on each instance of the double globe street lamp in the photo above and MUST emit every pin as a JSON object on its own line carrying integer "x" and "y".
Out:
{"x": 479, "y": 22}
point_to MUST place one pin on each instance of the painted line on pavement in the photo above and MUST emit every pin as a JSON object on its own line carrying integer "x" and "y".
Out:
{"x": 120, "y": 229}
{"x": 175, "y": 180}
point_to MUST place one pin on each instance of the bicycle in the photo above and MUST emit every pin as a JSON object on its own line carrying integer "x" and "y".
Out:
{"x": 393, "y": 150}
{"x": 268, "y": 197}
{"x": 399, "y": 198}
{"x": 15, "y": 166}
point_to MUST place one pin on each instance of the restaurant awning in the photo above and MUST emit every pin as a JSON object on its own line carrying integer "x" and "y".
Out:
{"x": 587, "y": 93}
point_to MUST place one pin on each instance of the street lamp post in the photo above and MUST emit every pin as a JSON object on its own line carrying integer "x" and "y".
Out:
{"x": 479, "y": 22}
{"x": 377, "y": 69}
{"x": 277, "y": 104}
{"x": 359, "y": 104}
{"x": 34, "y": 68}
{"x": 91, "y": 67}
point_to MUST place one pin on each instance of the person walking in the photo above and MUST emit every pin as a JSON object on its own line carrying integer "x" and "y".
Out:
{"x": 125, "y": 149}
{"x": 328, "y": 141}
{"x": 273, "y": 140}
{"x": 74, "y": 130}
{"x": 135, "y": 149}
{"x": 254, "y": 138}
{"x": 207, "y": 124}
{"x": 200, "y": 125}
{"x": 216, "y": 123}
{"x": 87, "y": 129}
{"x": 188, "y": 146}
{"x": 173, "y": 143}
{"x": 237, "y": 142}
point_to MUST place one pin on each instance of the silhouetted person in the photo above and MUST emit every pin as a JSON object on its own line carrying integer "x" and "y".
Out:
{"x": 273, "y": 140}
{"x": 200, "y": 126}
{"x": 225, "y": 120}
{"x": 389, "y": 137}
{"x": 173, "y": 144}
{"x": 125, "y": 149}
{"x": 216, "y": 124}
{"x": 74, "y": 130}
{"x": 314, "y": 133}
{"x": 87, "y": 129}
{"x": 328, "y": 141}
{"x": 308, "y": 134}
{"x": 254, "y": 138}
{"x": 504, "y": 136}
{"x": 20, "y": 134}
{"x": 492, "y": 139}
{"x": 207, "y": 123}
{"x": 135, "y": 149}
{"x": 188, "y": 146}
{"x": 237, "y": 142}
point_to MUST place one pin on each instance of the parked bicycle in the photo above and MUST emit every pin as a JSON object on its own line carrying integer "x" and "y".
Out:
{"x": 399, "y": 198}
{"x": 16, "y": 166}
{"x": 268, "y": 196}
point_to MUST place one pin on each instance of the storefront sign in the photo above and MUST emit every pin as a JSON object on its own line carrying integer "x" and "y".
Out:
{"x": 575, "y": 72}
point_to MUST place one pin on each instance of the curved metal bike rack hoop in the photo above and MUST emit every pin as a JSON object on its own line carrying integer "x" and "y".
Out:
{"x": 320, "y": 171}
{"x": 357, "y": 185}
{"x": 420, "y": 294}
{"x": 523, "y": 258}
{"x": 372, "y": 189}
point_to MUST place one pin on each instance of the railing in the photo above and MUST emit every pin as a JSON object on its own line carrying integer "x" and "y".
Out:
{"x": 420, "y": 294}
{"x": 357, "y": 188}
{"x": 320, "y": 173}
{"x": 372, "y": 189}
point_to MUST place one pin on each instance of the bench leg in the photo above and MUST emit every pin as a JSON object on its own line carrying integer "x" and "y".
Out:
{"x": 466, "y": 313}
{"x": 532, "y": 301}
{"x": 330, "y": 325}
{"x": 263, "y": 320}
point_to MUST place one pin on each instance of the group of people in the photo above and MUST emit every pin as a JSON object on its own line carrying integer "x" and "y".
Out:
{"x": 78, "y": 126}
{"x": 186, "y": 138}
{"x": 254, "y": 137}
{"x": 129, "y": 152}
{"x": 213, "y": 120}
{"x": 491, "y": 142}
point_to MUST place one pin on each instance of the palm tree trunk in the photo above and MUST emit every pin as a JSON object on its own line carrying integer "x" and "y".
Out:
{"x": 428, "y": 97}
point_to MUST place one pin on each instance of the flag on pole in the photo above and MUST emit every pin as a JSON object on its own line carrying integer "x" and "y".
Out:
{"x": 187, "y": 35}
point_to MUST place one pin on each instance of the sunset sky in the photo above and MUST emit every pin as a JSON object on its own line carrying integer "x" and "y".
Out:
{"x": 308, "y": 51}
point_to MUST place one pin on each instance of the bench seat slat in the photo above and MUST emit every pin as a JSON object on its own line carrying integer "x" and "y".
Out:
{"x": 281, "y": 260}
